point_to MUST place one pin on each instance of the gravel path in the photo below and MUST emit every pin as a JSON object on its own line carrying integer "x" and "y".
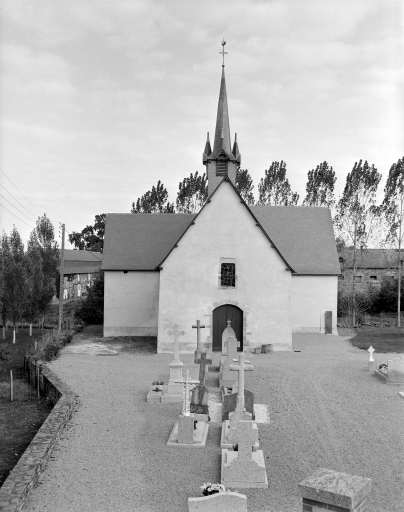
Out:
{"x": 326, "y": 410}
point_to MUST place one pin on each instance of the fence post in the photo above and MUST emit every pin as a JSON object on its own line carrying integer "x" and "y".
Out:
{"x": 30, "y": 329}
{"x": 14, "y": 335}
{"x": 11, "y": 386}
{"x": 37, "y": 376}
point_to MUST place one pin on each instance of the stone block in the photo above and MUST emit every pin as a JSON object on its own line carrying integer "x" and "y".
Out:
{"x": 199, "y": 400}
{"x": 243, "y": 474}
{"x": 371, "y": 366}
{"x": 227, "y": 441}
{"x": 199, "y": 437}
{"x": 395, "y": 371}
{"x": 267, "y": 349}
{"x": 219, "y": 502}
{"x": 229, "y": 402}
{"x": 153, "y": 396}
{"x": 335, "y": 489}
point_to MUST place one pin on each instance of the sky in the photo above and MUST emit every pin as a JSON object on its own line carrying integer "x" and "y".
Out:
{"x": 101, "y": 99}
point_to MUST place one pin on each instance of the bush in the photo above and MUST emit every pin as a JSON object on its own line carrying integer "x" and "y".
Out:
{"x": 49, "y": 345}
{"x": 387, "y": 300}
{"x": 5, "y": 352}
{"x": 364, "y": 303}
{"x": 91, "y": 310}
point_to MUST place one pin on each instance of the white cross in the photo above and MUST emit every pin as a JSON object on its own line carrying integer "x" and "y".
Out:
{"x": 198, "y": 327}
{"x": 187, "y": 383}
{"x": 371, "y": 350}
{"x": 177, "y": 333}
{"x": 241, "y": 367}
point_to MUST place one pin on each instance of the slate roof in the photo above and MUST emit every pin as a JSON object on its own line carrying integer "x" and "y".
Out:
{"x": 371, "y": 258}
{"x": 81, "y": 262}
{"x": 303, "y": 236}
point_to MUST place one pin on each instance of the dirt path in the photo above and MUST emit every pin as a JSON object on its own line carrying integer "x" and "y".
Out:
{"x": 326, "y": 410}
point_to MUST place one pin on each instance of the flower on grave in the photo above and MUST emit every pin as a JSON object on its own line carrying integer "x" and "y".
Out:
{"x": 208, "y": 488}
{"x": 383, "y": 367}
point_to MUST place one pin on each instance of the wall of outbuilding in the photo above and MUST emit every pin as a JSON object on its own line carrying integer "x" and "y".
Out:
{"x": 189, "y": 281}
{"x": 131, "y": 302}
{"x": 312, "y": 296}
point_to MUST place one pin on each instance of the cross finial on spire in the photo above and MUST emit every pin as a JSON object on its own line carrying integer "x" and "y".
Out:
{"x": 223, "y": 52}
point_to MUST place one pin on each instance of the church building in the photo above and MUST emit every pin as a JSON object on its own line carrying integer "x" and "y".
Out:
{"x": 270, "y": 270}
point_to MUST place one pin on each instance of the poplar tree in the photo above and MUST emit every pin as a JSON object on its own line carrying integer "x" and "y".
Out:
{"x": 274, "y": 188}
{"x": 320, "y": 186}
{"x": 154, "y": 201}
{"x": 192, "y": 193}
{"x": 355, "y": 210}
{"x": 35, "y": 279}
{"x": 244, "y": 185}
{"x": 393, "y": 210}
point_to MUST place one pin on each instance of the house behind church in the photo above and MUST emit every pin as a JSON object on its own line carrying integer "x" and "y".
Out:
{"x": 79, "y": 271}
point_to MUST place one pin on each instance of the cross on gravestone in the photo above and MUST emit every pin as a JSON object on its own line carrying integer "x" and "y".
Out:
{"x": 227, "y": 333}
{"x": 177, "y": 333}
{"x": 187, "y": 383}
{"x": 371, "y": 350}
{"x": 246, "y": 438}
{"x": 202, "y": 361}
{"x": 241, "y": 367}
{"x": 198, "y": 328}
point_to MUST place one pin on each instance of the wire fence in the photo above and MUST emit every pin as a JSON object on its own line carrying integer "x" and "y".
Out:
{"x": 19, "y": 385}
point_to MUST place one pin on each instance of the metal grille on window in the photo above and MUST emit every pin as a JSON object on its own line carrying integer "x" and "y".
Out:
{"x": 228, "y": 274}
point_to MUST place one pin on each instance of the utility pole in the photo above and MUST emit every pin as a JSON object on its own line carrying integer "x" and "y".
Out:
{"x": 61, "y": 281}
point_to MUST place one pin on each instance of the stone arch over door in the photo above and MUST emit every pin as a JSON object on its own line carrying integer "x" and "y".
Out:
{"x": 244, "y": 309}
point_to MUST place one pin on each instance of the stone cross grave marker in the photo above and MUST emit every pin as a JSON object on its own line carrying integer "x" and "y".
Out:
{"x": 202, "y": 361}
{"x": 246, "y": 438}
{"x": 371, "y": 362}
{"x": 241, "y": 367}
{"x": 187, "y": 384}
{"x": 228, "y": 331}
{"x": 198, "y": 328}
{"x": 371, "y": 350}
{"x": 177, "y": 333}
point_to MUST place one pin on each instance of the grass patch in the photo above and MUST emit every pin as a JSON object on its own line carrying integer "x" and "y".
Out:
{"x": 386, "y": 339}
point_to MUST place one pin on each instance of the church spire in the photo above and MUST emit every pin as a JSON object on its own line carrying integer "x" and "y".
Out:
{"x": 222, "y": 131}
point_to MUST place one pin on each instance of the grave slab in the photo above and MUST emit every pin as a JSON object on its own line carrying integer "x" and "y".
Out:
{"x": 153, "y": 397}
{"x": 219, "y": 502}
{"x": 395, "y": 371}
{"x": 199, "y": 400}
{"x": 229, "y": 402}
{"x": 227, "y": 443}
{"x": 199, "y": 437}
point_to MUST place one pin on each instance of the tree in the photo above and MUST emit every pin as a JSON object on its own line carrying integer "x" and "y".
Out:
{"x": 50, "y": 257}
{"x": 320, "y": 186}
{"x": 244, "y": 185}
{"x": 393, "y": 210}
{"x": 154, "y": 201}
{"x": 5, "y": 259}
{"x": 15, "y": 278}
{"x": 355, "y": 209}
{"x": 192, "y": 193}
{"x": 274, "y": 188}
{"x": 91, "y": 309}
{"x": 35, "y": 279}
{"x": 91, "y": 238}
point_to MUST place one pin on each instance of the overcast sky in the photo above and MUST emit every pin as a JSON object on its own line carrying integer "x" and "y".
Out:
{"x": 101, "y": 99}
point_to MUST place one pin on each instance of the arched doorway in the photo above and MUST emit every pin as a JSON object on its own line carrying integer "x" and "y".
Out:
{"x": 220, "y": 316}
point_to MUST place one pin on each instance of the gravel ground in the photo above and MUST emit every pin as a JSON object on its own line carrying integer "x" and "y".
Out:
{"x": 326, "y": 410}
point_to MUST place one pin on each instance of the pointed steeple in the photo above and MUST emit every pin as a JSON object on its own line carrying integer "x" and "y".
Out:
{"x": 208, "y": 150}
{"x": 222, "y": 132}
{"x": 236, "y": 151}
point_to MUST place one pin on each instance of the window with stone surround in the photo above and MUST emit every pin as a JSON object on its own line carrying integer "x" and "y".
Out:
{"x": 227, "y": 275}
{"x": 358, "y": 279}
{"x": 373, "y": 278}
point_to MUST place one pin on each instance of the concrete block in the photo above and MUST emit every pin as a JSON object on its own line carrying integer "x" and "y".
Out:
{"x": 199, "y": 436}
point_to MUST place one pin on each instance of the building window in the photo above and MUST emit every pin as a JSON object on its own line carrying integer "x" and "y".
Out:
{"x": 358, "y": 279}
{"x": 228, "y": 275}
{"x": 341, "y": 277}
{"x": 221, "y": 166}
{"x": 373, "y": 278}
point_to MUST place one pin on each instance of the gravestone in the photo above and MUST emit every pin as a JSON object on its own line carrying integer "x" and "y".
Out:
{"x": 244, "y": 468}
{"x": 173, "y": 392}
{"x": 395, "y": 371}
{"x": 219, "y": 502}
{"x": 227, "y": 377}
{"x": 199, "y": 348}
{"x": 371, "y": 362}
{"x": 199, "y": 396}
{"x": 227, "y": 333}
{"x": 187, "y": 431}
{"x": 328, "y": 322}
{"x": 229, "y": 402}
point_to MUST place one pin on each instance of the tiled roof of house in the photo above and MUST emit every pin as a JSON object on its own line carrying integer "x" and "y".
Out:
{"x": 370, "y": 258}
{"x": 81, "y": 262}
{"x": 303, "y": 236}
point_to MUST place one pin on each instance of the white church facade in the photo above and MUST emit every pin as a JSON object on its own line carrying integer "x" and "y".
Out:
{"x": 270, "y": 270}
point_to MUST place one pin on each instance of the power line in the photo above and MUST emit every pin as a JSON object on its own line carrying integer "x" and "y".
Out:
{"x": 16, "y": 216}
{"x": 19, "y": 211}
{"x": 20, "y": 191}
{"x": 17, "y": 200}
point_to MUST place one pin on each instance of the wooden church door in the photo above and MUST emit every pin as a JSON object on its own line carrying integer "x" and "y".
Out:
{"x": 220, "y": 317}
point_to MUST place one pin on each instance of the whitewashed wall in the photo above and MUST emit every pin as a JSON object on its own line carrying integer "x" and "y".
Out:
{"x": 189, "y": 279}
{"x": 312, "y": 296}
{"x": 131, "y": 303}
